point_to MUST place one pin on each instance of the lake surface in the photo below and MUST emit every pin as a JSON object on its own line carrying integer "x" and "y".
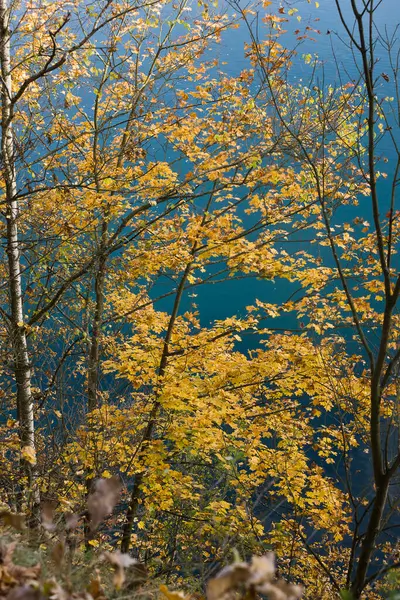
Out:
{"x": 222, "y": 300}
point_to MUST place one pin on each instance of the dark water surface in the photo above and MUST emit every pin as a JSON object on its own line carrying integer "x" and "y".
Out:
{"x": 222, "y": 300}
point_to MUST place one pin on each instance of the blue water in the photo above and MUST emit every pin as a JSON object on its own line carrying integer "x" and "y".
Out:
{"x": 230, "y": 297}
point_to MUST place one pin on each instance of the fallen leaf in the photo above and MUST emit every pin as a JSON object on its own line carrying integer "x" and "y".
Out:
{"x": 262, "y": 568}
{"x": 227, "y": 580}
{"x": 24, "y": 592}
{"x": 19, "y": 573}
{"x": 71, "y": 521}
{"x": 58, "y": 552}
{"x": 103, "y": 500}
{"x": 15, "y": 520}
{"x": 48, "y": 516}
{"x": 171, "y": 595}
{"x": 120, "y": 562}
{"x": 95, "y": 589}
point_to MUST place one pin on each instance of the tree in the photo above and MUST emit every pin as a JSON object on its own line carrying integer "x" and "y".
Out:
{"x": 146, "y": 179}
{"x": 362, "y": 262}
{"x": 42, "y": 167}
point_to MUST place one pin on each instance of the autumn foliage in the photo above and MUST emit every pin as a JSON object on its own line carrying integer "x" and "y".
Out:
{"x": 200, "y": 328}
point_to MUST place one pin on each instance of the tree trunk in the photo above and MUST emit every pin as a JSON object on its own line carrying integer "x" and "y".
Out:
{"x": 94, "y": 353}
{"x": 151, "y": 425}
{"x": 368, "y": 546}
{"x": 21, "y": 362}
{"x": 131, "y": 513}
{"x": 93, "y": 365}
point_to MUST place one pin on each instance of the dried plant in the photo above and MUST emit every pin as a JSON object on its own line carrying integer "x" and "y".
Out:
{"x": 102, "y": 501}
{"x": 258, "y": 577}
{"x": 236, "y": 581}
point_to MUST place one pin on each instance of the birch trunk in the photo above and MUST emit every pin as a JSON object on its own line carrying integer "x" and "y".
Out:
{"x": 21, "y": 362}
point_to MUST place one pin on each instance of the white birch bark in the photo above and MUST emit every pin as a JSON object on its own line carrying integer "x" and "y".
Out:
{"x": 20, "y": 358}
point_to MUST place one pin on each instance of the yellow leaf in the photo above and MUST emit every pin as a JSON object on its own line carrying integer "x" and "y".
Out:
{"x": 171, "y": 595}
{"x": 28, "y": 453}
